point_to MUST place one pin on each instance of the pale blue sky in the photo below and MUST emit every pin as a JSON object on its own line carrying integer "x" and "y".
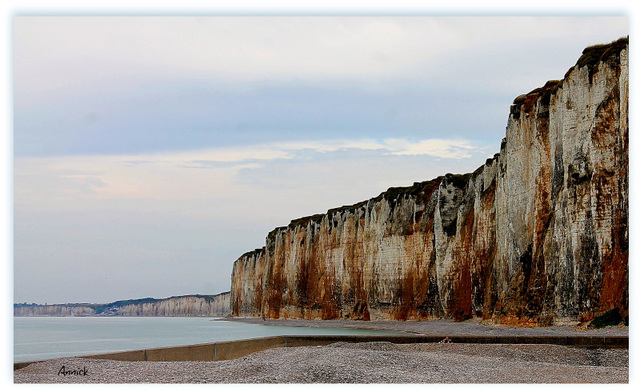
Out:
{"x": 151, "y": 152}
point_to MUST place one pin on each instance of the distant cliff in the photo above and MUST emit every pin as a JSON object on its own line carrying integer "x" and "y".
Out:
{"x": 537, "y": 235}
{"x": 186, "y": 306}
{"x": 62, "y": 310}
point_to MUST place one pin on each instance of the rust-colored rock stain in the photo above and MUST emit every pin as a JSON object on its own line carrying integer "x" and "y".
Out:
{"x": 536, "y": 236}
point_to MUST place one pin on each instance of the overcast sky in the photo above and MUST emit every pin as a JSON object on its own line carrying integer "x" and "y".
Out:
{"x": 151, "y": 152}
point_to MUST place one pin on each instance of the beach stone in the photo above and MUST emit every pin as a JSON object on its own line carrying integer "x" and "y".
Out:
{"x": 358, "y": 363}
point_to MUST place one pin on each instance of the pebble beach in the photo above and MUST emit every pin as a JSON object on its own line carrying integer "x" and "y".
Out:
{"x": 370, "y": 362}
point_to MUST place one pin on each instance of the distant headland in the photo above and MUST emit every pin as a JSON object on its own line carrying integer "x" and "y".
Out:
{"x": 179, "y": 306}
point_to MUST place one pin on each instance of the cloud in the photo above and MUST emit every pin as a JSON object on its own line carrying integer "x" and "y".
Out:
{"x": 42, "y": 181}
{"x": 114, "y": 85}
{"x": 441, "y": 148}
{"x": 239, "y": 48}
{"x": 72, "y": 52}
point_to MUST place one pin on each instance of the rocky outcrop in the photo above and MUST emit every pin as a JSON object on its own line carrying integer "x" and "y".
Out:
{"x": 181, "y": 306}
{"x": 537, "y": 235}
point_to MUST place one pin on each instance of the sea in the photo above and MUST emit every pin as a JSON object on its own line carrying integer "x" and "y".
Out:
{"x": 37, "y": 338}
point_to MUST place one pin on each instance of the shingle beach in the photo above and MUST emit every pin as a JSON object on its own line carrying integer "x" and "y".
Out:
{"x": 370, "y": 362}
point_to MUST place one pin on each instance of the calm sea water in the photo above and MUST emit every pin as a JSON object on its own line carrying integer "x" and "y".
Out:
{"x": 54, "y": 337}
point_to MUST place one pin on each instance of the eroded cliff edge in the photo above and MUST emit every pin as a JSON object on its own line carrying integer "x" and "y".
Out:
{"x": 537, "y": 235}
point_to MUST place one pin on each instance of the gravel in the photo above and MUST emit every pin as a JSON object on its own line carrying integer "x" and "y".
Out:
{"x": 371, "y": 362}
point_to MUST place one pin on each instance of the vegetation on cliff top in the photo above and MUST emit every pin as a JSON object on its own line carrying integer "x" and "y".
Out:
{"x": 599, "y": 53}
{"x": 458, "y": 180}
{"x": 250, "y": 253}
{"x": 591, "y": 56}
{"x": 417, "y": 190}
{"x": 541, "y": 93}
{"x": 391, "y": 194}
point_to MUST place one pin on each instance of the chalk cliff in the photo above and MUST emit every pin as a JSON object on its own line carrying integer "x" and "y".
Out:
{"x": 537, "y": 235}
{"x": 180, "y": 306}
{"x": 63, "y": 310}
{"x": 184, "y": 306}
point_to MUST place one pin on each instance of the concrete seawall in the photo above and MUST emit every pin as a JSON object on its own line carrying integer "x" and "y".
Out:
{"x": 235, "y": 349}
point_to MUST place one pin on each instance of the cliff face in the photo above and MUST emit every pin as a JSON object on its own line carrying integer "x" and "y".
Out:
{"x": 537, "y": 235}
{"x": 52, "y": 310}
{"x": 182, "y": 306}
